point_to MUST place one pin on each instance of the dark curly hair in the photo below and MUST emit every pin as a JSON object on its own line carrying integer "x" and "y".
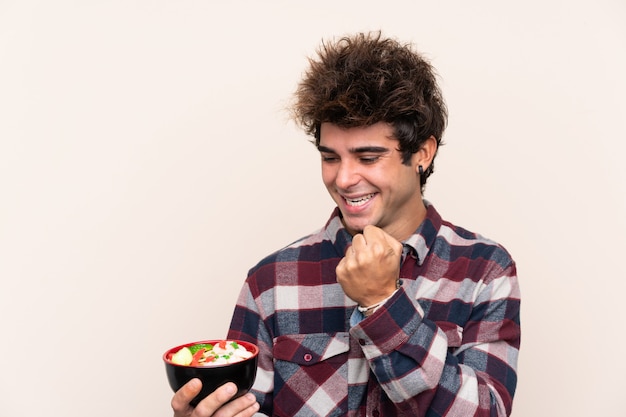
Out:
{"x": 365, "y": 79}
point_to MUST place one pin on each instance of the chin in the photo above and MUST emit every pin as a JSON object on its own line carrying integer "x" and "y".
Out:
{"x": 358, "y": 227}
{"x": 355, "y": 223}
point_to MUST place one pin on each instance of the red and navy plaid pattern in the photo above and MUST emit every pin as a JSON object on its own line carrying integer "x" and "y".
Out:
{"x": 446, "y": 343}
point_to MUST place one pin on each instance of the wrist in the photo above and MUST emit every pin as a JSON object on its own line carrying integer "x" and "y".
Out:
{"x": 371, "y": 309}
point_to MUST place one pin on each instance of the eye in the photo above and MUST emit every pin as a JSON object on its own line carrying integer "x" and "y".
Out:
{"x": 329, "y": 158}
{"x": 370, "y": 159}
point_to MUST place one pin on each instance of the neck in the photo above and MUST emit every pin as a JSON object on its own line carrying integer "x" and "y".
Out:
{"x": 403, "y": 230}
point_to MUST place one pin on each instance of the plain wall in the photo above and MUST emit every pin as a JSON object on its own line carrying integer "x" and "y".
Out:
{"x": 147, "y": 162}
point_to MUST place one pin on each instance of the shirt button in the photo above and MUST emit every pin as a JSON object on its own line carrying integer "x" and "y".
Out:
{"x": 308, "y": 357}
{"x": 362, "y": 342}
{"x": 375, "y": 413}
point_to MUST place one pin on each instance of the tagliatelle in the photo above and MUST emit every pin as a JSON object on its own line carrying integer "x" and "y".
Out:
{"x": 222, "y": 353}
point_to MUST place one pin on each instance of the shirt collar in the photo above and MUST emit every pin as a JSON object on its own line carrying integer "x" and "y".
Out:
{"x": 418, "y": 244}
{"x": 337, "y": 233}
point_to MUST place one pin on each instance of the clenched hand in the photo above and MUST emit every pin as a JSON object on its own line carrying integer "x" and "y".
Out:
{"x": 371, "y": 266}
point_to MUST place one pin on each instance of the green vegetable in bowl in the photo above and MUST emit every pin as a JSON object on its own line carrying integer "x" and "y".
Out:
{"x": 195, "y": 348}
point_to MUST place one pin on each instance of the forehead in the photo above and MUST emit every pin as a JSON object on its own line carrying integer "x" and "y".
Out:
{"x": 333, "y": 136}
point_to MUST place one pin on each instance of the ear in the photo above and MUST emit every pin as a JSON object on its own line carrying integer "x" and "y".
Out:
{"x": 425, "y": 155}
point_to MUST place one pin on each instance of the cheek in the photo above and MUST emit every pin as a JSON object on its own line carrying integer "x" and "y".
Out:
{"x": 328, "y": 176}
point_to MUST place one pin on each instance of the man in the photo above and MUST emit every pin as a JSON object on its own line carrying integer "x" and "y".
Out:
{"x": 388, "y": 310}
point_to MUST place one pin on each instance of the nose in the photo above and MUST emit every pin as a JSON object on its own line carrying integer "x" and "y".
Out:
{"x": 347, "y": 175}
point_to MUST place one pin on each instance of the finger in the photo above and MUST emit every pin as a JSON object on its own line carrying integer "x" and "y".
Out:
{"x": 395, "y": 244}
{"x": 342, "y": 267}
{"x": 219, "y": 397}
{"x": 376, "y": 242}
{"x": 182, "y": 397}
{"x": 377, "y": 236}
{"x": 244, "y": 406}
{"x": 358, "y": 243}
{"x": 350, "y": 251}
{"x": 374, "y": 234}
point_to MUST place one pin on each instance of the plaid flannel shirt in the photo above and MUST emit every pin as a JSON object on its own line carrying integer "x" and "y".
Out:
{"x": 445, "y": 344}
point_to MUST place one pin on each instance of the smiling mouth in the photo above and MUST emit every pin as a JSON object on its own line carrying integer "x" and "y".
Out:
{"x": 357, "y": 202}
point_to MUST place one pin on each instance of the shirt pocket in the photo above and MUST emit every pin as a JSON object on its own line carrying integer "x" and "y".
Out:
{"x": 311, "y": 367}
{"x": 309, "y": 349}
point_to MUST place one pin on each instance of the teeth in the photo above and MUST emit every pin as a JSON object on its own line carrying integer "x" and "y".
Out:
{"x": 359, "y": 201}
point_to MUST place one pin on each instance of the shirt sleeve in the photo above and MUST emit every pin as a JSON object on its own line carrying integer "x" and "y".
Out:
{"x": 445, "y": 368}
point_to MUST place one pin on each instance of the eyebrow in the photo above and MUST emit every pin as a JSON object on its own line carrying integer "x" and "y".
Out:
{"x": 361, "y": 149}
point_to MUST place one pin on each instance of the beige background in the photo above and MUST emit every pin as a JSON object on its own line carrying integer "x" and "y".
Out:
{"x": 146, "y": 162}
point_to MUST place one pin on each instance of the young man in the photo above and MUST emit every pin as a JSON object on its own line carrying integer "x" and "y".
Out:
{"x": 388, "y": 310}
